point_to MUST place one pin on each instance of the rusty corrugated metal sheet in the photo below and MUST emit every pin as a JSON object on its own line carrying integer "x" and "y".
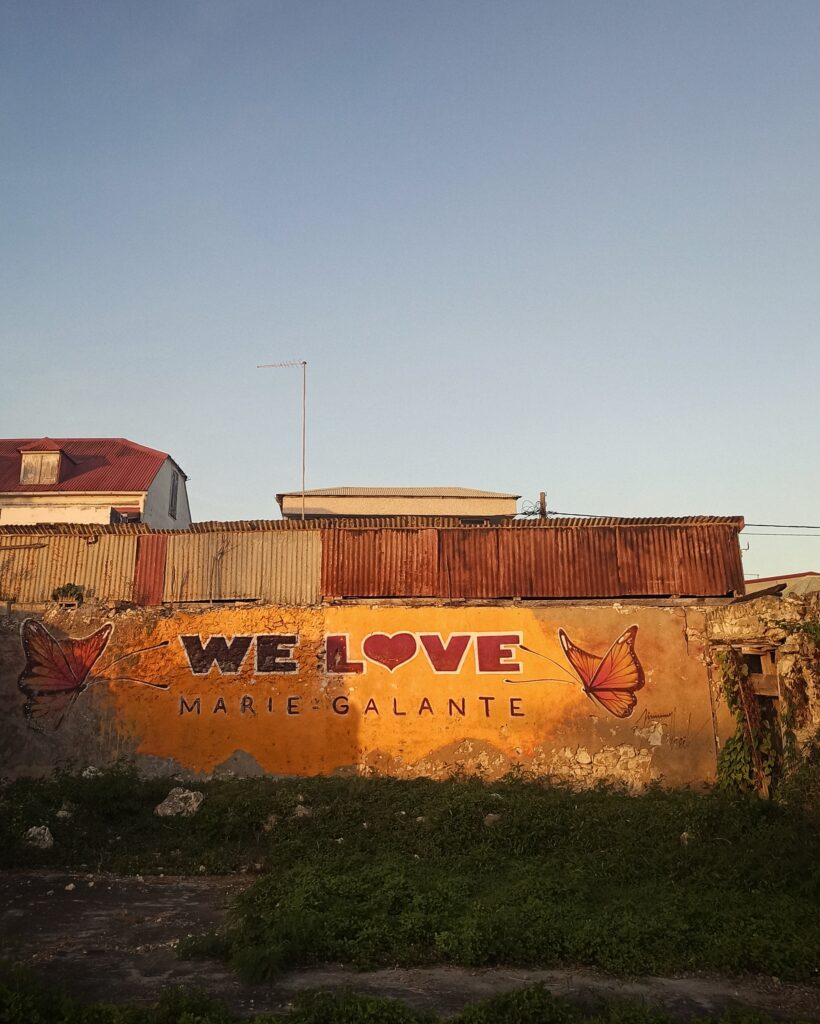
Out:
{"x": 255, "y": 566}
{"x": 714, "y": 561}
{"x": 149, "y": 575}
{"x": 103, "y": 566}
{"x": 371, "y": 523}
{"x": 379, "y": 563}
{"x": 560, "y": 563}
{"x": 701, "y": 561}
{"x": 280, "y": 563}
{"x": 646, "y": 561}
{"x": 468, "y": 564}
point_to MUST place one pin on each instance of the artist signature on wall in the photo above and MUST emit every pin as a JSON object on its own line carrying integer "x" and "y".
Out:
{"x": 674, "y": 727}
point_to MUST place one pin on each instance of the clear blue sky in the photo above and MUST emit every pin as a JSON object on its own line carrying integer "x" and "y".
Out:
{"x": 523, "y": 245}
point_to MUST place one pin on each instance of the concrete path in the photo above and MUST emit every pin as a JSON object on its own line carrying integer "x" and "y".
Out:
{"x": 114, "y": 938}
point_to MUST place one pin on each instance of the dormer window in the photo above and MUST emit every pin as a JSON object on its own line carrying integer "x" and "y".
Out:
{"x": 40, "y": 467}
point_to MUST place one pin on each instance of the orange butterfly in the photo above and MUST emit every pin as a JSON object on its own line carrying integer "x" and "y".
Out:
{"x": 57, "y": 671}
{"x": 611, "y": 680}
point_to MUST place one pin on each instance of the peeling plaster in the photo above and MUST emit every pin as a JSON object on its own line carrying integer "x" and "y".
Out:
{"x": 399, "y": 716}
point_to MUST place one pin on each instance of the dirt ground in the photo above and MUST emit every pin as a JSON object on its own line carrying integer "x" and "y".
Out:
{"x": 114, "y": 938}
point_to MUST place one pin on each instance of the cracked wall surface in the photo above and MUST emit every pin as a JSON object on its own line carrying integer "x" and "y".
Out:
{"x": 787, "y": 626}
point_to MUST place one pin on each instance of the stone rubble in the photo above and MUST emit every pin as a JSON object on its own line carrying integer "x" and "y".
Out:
{"x": 40, "y": 837}
{"x": 180, "y": 802}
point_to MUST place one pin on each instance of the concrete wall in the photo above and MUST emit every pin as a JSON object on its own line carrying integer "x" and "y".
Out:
{"x": 155, "y": 509}
{"x": 400, "y": 690}
{"x": 796, "y": 583}
{"x": 396, "y": 505}
{"x": 776, "y": 624}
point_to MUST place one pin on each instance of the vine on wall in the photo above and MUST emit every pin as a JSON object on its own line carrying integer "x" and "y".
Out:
{"x": 775, "y": 746}
{"x": 801, "y": 786}
{"x": 747, "y": 759}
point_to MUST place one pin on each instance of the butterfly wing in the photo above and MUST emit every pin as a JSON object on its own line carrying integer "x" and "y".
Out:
{"x": 47, "y": 669}
{"x": 618, "y": 677}
{"x": 619, "y": 703}
{"x": 584, "y": 663}
{"x": 55, "y": 671}
{"x": 83, "y": 653}
{"x": 49, "y": 710}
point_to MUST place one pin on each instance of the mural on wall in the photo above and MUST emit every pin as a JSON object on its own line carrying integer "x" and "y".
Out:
{"x": 57, "y": 671}
{"x": 610, "y": 680}
{"x": 399, "y": 690}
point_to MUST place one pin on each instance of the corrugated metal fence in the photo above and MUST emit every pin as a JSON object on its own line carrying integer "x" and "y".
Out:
{"x": 304, "y": 563}
{"x": 32, "y": 567}
{"x": 274, "y": 567}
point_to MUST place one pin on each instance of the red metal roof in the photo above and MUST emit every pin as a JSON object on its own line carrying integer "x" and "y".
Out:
{"x": 96, "y": 464}
{"x": 43, "y": 444}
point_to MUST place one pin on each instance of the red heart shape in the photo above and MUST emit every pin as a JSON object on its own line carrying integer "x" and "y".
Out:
{"x": 390, "y": 651}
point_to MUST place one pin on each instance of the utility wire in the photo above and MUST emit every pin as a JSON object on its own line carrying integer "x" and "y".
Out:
{"x": 816, "y": 536}
{"x": 786, "y": 526}
{"x": 775, "y": 526}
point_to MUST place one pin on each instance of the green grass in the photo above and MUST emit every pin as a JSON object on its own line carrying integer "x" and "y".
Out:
{"x": 598, "y": 879}
{"x": 24, "y": 1000}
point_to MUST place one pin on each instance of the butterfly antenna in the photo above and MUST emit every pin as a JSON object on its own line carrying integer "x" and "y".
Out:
{"x": 566, "y": 682}
{"x": 133, "y": 679}
{"x": 66, "y": 709}
{"x": 133, "y": 654}
{"x": 538, "y": 654}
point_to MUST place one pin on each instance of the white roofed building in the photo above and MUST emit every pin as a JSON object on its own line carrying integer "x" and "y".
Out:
{"x": 463, "y": 503}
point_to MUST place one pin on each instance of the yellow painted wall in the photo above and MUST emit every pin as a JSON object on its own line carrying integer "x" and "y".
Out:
{"x": 523, "y": 705}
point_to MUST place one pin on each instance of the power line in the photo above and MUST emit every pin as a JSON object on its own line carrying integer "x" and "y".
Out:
{"x": 773, "y": 526}
{"x": 786, "y": 526}
{"x": 816, "y": 536}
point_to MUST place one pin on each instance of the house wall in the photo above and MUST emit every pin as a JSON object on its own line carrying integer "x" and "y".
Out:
{"x": 795, "y": 583}
{"x": 155, "y": 509}
{"x": 401, "y": 690}
{"x": 29, "y": 509}
{"x": 396, "y": 505}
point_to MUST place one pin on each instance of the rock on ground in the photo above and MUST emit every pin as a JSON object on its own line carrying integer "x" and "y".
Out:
{"x": 179, "y": 801}
{"x": 40, "y": 837}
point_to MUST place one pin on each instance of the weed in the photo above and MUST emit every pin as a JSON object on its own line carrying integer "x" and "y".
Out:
{"x": 24, "y": 1000}
{"x": 664, "y": 882}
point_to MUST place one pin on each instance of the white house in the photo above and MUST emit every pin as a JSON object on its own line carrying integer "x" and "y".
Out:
{"x": 463, "y": 503}
{"x": 90, "y": 480}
